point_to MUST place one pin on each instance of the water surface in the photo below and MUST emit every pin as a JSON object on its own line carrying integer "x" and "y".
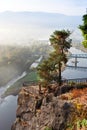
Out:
{"x": 8, "y": 112}
{"x": 72, "y": 73}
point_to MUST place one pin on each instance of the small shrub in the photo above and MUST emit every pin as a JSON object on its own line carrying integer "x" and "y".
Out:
{"x": 82, "y": 123}
{"x": 72, "y": 83}
{"x": 78, "y": 92}
{"x": 47, "y": 128}
{"x": 79, "y": 124}
{"x": 64, "y": 97}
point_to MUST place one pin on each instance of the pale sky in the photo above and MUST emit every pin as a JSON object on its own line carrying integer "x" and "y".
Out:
{"x": 69, "y": 7}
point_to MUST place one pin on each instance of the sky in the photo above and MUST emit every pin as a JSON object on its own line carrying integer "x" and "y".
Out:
{"x": 68, "y": 7}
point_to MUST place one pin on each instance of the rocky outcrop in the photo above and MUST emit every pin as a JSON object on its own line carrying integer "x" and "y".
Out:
{"x": 42, "y": 111}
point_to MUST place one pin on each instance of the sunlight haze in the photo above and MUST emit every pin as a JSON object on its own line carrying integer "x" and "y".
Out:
{"x": 23, "y": 20}
{"x": 69, "y": 7}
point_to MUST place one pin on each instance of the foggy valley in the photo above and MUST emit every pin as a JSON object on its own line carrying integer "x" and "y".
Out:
{"x": 20, "y": 29}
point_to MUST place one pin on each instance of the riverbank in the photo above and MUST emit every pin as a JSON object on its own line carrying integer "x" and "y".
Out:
{"x": 10, "y": 83}
{"x": 30, "y": 78}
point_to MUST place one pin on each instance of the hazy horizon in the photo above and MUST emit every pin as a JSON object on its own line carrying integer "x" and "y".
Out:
{"x": 69, "y": 7}
{"x": 21, "y": 27}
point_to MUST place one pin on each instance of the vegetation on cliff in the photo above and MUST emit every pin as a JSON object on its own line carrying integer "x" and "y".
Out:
{"x": 83, "y": 28}
{"x": 49, "y": 112}
{"x": 78, "y": 120}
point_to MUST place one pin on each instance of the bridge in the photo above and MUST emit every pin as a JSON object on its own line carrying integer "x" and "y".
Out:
{"x": 78, "y": 80}
{"x": 76, "y": 61}
{"x": 77, "y": 67}
{"x": 81, "y": 68}
{"x": 78, "y": 55}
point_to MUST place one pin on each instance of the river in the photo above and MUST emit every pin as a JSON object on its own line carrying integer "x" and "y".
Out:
{"x": 4, "y": 88}
{"x": 8, "y": 112}
{"x": 8, "y": 105}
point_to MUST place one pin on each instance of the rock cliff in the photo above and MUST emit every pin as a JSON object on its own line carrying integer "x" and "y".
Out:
{"x": 43, "y": 111}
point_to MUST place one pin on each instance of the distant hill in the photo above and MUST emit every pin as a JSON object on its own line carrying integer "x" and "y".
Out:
{"x": 22, "y": 26}
{"x": 44, "y": 19}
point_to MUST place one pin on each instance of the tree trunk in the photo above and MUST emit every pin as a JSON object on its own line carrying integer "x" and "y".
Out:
{"x": 59, "y": 73}
{"x": 39, "y": 88}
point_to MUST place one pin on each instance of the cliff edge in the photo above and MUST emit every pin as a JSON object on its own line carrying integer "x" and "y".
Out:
{"x": 48, "y": 112}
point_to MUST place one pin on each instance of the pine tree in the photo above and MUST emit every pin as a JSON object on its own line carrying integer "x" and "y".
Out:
{"x": 61, "y": 43}
{"x": 50, "y": 69}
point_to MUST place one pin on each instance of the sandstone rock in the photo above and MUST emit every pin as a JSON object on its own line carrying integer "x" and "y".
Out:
{"x": 36, "y": 112}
